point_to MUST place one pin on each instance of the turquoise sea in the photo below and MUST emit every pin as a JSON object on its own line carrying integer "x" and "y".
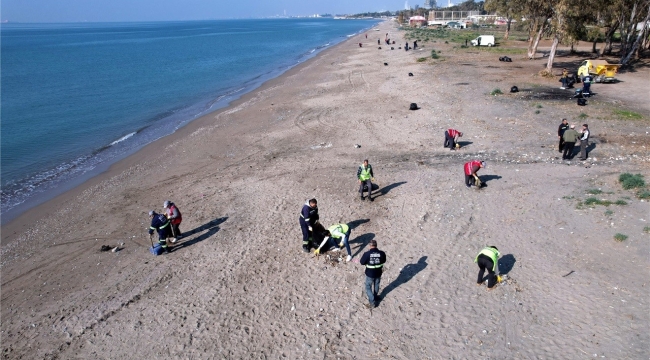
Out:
{"x": 77, "y": 97}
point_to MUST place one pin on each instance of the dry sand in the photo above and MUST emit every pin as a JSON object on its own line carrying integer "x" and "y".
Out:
{"x": 238, "y": 286}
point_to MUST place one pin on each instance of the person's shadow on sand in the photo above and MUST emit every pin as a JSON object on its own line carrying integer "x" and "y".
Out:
{"x": 363, "y": 240}
{"x": 212, "y": 228}
{"x": 354, "y": 224}
{"x": 408, "y": 272}
{"x": 485, "y": 178}
{"x": 383, "y": 191}
{"x": 506, "y": 263}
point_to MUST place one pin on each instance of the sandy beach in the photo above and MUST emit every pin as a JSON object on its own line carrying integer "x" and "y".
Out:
{"x": 238, "y": 284}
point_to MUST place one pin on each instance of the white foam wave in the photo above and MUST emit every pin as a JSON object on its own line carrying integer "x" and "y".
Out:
{"x": 123, "y": 138}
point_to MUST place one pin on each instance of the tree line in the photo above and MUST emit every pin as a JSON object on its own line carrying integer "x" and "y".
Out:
{"x": 569, "y": 21}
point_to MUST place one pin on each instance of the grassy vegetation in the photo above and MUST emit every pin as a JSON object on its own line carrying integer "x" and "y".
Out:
{"x": 537, "y": 111}
{"x": 643, "y": 194}
{"x": 620, "y": 237}
{"x": 609, "y": 212}
{"x": 583, "y": 116}
{"x": 593, "y": 201}
{"x": 539, "y": 106}
{"x": 422, "y": 59}
{"x": 630, "y": 181}
{"x": 626, "y": 114}
{"x": 434, "y": 54}
{"x": 454, "y": 36}
{"x": 646, "y": 229}
{"x": 594, "y": 191}
{"x": 496, "y": 91}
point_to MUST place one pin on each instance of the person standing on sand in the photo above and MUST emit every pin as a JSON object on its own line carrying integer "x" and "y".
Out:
{"x": 570, "y": 136}
{"x": 584, "y": 142}
{"x": 451, "y": 138}
{"x": 365, "y": 177}
{"x": 487, "y": 259}
{"x": 340, "y": 236}
{"x": 560, "y": 131}
{"x": 308, "y": 219}
{"x": 565, "y": 79}
{"x": 160, "y": 224}
{"x": 175, "y": 218}
{"x": 471, "y": 168}
{"x": 374, "y": 260}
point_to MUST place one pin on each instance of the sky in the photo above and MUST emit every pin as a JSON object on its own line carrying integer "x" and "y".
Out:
{"x": 163, "y": 10}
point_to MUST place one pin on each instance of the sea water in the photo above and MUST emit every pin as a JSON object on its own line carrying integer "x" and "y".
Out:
{"x": 78, "y": 97}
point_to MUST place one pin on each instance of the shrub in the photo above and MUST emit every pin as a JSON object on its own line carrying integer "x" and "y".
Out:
{"x": 629, "y": 181}
{"x": 434, "y": 55}
{"x": 646, "y": 229}
{"x": 537, "y": 111}
{"x": 620, "y": 202}
{"x": 539, "y": 106}
{"x": 583, "y": 116}
{"x": 620, "y": 237}
{"x": 594, "y": 191}
{"x": 496, "y": 91}
{"x": 643, "y": 194}
{"x": 422, "y": 59}
{"x": 609, "y": 212}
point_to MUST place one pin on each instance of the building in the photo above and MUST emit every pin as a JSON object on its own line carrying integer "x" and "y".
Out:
{"x": 417, "y": 21}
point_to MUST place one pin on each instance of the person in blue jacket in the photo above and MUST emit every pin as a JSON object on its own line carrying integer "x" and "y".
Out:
{"x": 161, "y": 224}
{"x": 308, "y": 219}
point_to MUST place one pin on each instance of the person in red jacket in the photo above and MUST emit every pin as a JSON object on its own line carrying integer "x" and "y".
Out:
{"x": 175, "y": 218}
{"x": 451, "y": 138}
{"x": 471, "y": 168}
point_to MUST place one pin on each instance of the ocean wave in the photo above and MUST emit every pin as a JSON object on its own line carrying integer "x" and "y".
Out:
{"x": 123, "y": 138}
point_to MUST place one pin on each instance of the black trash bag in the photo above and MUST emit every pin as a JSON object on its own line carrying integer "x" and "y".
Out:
{"x": 501, "y": 58}
{"x": 379, "y": 48}
{"x": 582, "y": 102}
{"x": 413, "y": 106}
{"x": 410, "y": 74}
{"x": 514, "y": 89}
{"x": 507, "y": 59}
{"x": 385, "y": 64}
{"x": 105, "y": 248}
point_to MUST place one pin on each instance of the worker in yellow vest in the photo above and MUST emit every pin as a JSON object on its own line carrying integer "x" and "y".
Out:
{"x": 365, "y": 176}
{"x": 340, "y": 236}
{"x": 488, "y": 259}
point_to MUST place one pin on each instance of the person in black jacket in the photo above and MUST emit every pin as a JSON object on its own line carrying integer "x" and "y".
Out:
{"x": 308, "y": 219}
{"x": 160, "y": 224}
{"x": 374, "y": 260}
{"x": 560, "y": 131}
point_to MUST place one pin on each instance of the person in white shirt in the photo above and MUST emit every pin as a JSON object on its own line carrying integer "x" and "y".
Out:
{"x": 584, "y": 142}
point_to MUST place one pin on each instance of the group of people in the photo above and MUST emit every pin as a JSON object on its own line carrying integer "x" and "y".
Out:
{"x": 337, "y": 236}
{"x": 568, "y": 137}
{"x": 167, "y": 225}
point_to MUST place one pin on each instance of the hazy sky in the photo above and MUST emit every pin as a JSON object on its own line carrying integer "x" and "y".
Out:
{"x": 152, "y": 10}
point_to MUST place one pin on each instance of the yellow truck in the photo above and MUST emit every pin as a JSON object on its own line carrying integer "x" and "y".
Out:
{"x": 601, "y": 70}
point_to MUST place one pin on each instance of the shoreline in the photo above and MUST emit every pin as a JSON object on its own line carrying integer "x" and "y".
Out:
{"x": 239, "y": 285}
{"x": 42, "y": 208}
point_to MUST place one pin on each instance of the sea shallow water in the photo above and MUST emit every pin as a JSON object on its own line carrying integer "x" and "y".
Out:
{"x": 78, "y": 97}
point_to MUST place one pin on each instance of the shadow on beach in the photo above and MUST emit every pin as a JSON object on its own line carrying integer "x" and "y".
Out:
{"x": 212, "y": 228}
{"x": 408, "y": 272}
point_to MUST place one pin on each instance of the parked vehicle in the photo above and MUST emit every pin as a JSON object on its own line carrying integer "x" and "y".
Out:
{"x": 601, "y": 70}
{"x": 484, "y": 40}
{"x": 455, "y": 25}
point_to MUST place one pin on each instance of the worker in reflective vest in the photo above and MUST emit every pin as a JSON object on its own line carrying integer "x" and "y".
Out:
{"x": 365, "y": 176}
{"x": 451, "y": 138}
{"x": 487, "y": 259}
{"x": 160, "y": 224}
{"x": 340, "y": 236}
{"x": 308, "y": 219}
{"x": 175, "y": 218}
{"x": 374, "y": 260}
